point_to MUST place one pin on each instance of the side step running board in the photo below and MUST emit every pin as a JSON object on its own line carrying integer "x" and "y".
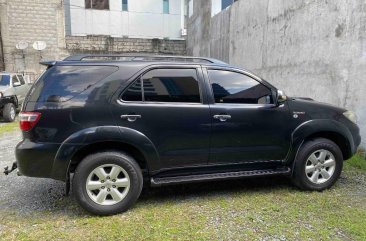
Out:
{"x": 160, "y": 181}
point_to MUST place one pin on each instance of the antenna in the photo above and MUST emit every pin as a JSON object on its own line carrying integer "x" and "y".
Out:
{"x": 39, "y": 45}
{"x": 21, "y": 45}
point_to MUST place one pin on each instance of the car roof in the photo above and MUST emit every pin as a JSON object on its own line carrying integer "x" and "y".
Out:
{"x": 138, "y": 59}
{"x": 143, "y": 57}
{"x": 132, "y": 61}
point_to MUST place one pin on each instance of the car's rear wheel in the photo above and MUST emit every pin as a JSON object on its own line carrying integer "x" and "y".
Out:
{"x": 318, "y": 165}
{"x": 107, "y": 183}
{"x": 9, "y": 112}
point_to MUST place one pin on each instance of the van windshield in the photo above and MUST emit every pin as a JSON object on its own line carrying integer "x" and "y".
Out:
{"x": 4, "y": 80}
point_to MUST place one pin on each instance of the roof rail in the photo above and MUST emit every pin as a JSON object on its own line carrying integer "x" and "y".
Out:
{"x": 141, "y": 57}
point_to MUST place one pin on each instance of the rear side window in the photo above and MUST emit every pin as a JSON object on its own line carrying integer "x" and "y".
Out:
{"x": 134, "y": 92}
{"x": 165, "y": 85}
{"x": 61, "y": 83}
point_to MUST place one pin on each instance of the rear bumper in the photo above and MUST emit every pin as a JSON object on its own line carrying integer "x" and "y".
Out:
{"x": 35, "y": 159}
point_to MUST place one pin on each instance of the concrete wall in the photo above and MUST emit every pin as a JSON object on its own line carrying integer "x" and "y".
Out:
{"x": 35, "y": 20}
{"x": 144, "y": 19}
{"x": 305, "y": 47}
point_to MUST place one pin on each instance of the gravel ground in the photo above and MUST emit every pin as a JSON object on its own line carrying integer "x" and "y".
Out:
{"x": 35, "y": 193}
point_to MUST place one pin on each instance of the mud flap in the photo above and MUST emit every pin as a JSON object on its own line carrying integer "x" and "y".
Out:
{"x": 67, "y": 184}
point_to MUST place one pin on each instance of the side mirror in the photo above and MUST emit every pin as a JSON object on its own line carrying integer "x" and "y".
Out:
{"x": 16, "y": 84}
{"x": 281, "y": 97}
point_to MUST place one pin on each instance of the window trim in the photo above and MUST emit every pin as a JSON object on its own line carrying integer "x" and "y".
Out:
{"x": 250, "y": 75}
{"x": 143, "y": 102}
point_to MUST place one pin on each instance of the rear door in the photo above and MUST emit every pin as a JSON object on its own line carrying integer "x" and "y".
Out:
{"x": 246, "y": 124}
{"x": 167, "y": 105}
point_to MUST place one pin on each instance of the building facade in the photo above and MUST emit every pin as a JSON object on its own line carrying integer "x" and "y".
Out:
{"x": 315, "y": 49}
{"x": 163, "y": 19}
{"x": 65, "y": 33}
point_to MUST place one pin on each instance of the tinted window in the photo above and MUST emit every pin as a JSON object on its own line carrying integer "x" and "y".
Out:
{"x": 61, "y": 83}
{"x": 4, "y": 80}
{"x": 171, "y": 85}
{"x": 133, "y": 93}
{"x": 231, "y": 87}
{"x": 21, "y": 79}
{"x": 14, "y": 79}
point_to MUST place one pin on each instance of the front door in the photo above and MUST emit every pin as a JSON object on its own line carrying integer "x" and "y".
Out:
{"x": 246, "y": 124}
{"x": 166, "y": 105}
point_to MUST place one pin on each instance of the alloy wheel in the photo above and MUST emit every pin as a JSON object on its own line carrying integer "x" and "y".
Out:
{"x": 320, "y": 166}
{"x": 108, "y": 184}
{"x": 12, "y": 113}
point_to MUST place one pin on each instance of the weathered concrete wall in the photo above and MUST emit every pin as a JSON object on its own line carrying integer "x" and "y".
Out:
{"x": 305, "y": 47}
{"x": 39, "y": 20}
{"x": 30, "y": 21}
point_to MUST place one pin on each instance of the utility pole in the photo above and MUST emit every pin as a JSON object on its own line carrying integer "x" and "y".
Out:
{"x": 2, "y": 59}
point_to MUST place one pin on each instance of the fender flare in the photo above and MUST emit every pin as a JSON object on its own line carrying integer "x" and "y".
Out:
{"x": 9, "y": 99}
{"x": 93, "y": 135}
{"x": 311, "y": 127}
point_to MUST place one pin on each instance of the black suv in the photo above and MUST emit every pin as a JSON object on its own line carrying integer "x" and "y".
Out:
{"x": 118, "y": 123}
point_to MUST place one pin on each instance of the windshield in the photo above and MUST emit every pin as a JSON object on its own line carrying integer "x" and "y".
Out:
{"x": 4, "y": 80}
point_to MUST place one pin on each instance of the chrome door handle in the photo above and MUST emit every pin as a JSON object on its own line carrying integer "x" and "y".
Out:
{"x": 222, "y": 117}
{"x": 130, "y": 118}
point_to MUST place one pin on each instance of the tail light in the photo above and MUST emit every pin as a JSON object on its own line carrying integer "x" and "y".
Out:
{"x": 28, "y": 119}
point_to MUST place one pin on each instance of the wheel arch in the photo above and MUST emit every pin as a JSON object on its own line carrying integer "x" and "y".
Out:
{"x": 329, "y": 129}
{"x": 94, "y": 139}
{"x": 109, "y": 146}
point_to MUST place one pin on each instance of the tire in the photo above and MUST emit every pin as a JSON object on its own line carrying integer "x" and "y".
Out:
{"x": 313, "y": 173}
{"x": 9, "y": 112}
{"x": 112, "y": 188}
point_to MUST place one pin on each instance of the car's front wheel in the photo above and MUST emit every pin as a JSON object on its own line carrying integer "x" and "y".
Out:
{"x": 318, "y": 165}
{"x": 107, "y": 183}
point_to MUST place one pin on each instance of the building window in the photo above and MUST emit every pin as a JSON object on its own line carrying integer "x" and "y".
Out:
{"x": 97, "y": 4}
{"x": 166, "y": 6}
{"x": 190, "y": 8}
{"x": 226, "y": 3}
{"x": 125, "y": 5}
